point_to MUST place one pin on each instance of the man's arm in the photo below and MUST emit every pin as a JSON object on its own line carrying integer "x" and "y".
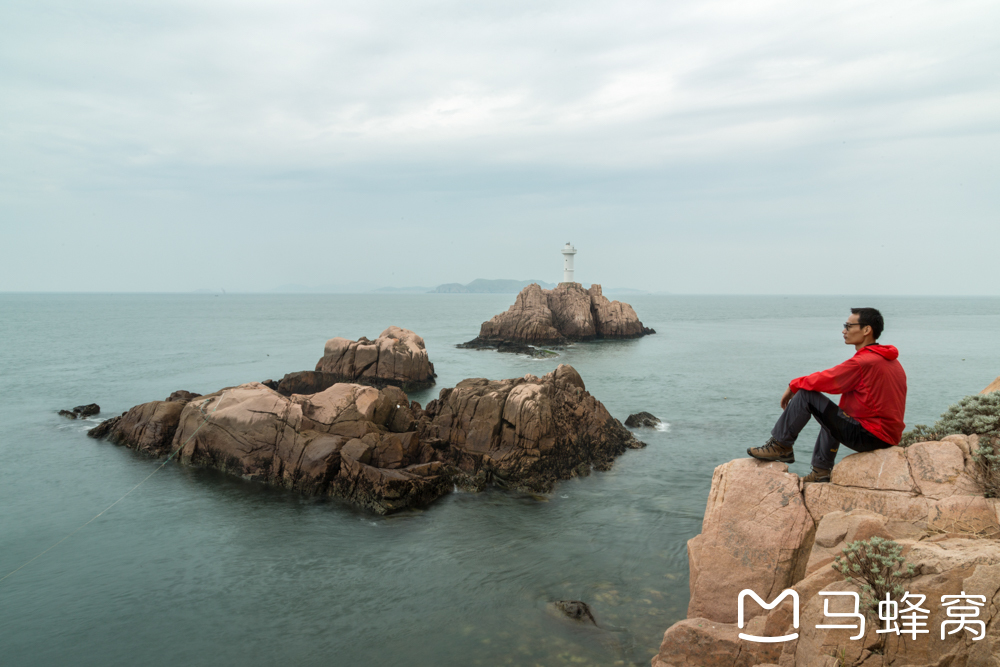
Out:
{"x": 837, "y": 380}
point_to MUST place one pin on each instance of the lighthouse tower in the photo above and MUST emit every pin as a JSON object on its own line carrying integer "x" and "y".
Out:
{"x": 567, "y": 252}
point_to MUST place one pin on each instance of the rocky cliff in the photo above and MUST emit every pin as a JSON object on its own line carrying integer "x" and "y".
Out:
{"x": 375, "y": 448}
{"x": 763, "y": 531}
{"x": 993, "y": 386}
{"x": 566, "y": 313}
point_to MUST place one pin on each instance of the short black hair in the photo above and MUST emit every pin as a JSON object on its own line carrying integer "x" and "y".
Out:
{"x": 870, "y": 317}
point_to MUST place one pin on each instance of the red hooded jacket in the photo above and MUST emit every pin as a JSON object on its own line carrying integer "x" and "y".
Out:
{"x": 872, "y": 385}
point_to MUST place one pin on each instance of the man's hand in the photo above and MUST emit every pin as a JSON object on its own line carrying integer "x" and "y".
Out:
{"x": 787, "y": 396}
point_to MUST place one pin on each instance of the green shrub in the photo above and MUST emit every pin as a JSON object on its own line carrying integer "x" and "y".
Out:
{"x": 877, "y": 564}
{"x": 977, "y": 414}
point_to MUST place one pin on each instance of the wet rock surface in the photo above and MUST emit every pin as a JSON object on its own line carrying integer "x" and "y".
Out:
{"x": 578, "y": 611}
{"x": 565, "y": 314}
{"x": 377, "y": 449}
{"x": 641, "y": 419}
{"x": 81, "y": 411}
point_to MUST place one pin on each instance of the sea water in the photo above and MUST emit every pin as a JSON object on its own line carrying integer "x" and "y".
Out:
{"x": 195, "y": 567}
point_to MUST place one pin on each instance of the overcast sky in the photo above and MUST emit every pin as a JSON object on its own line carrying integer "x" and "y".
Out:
{"x": 690, "y": 147}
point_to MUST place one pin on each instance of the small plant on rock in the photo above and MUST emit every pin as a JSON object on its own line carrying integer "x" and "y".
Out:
{"x": 878, "y": 566}
{"x": 987, "y": 467}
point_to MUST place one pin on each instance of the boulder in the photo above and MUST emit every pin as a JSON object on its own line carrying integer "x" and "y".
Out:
{"x": 148, "y": 428}
{"x": 81, "y": 411}
{"x": 526, "y": 432}
{"x": 558, "y": 316}
{"x": 304, "y": 382}
{"x": 614, "y": 319}
{"x": 397, "y": 357}
{"x": 642, "y": 419}
{"x": 377, "y": 449}
{"x": 756, "y": 534}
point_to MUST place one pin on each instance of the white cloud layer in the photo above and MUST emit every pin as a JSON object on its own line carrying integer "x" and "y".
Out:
{"x": 774, "y": 136}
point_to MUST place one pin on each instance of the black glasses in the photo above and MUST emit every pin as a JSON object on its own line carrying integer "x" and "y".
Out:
{"x": 848, "y": 325}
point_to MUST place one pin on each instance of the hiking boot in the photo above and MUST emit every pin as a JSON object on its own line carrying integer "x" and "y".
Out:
{"x": 772, "y": 450}
{"x": 817, "y": 475}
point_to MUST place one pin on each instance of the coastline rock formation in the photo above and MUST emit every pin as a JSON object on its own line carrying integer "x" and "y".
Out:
{"x": 558, "y": 316}
{"x": 378, "y": 450}
{"x": 993, "y": 386}
{"x": 763, "y": 531}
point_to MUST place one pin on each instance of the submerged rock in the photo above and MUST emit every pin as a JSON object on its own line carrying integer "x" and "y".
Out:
{"x": 553, "y": 317}
{"x": 579, "y": 611}
{"x": 642, "y": 419}
{"x": 397, "y": 357}
{"x": 375, "y": 448}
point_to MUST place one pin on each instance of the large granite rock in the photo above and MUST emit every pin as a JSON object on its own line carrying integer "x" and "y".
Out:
{"x": 375, "y": 448}
{"x": 148, "y": 428}
{"x": 564, "y": 314}
{"x": 763, "y": 532}
{"x": 526, "y": 432}
{"x": 756, "y": 534}
{"x": 397, "y": 357}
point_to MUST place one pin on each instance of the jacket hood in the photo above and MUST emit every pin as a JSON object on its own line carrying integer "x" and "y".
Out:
{"x": 887, "y": 351}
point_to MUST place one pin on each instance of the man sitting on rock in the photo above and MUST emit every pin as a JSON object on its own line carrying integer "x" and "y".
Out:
{"x": 872, "y": 385}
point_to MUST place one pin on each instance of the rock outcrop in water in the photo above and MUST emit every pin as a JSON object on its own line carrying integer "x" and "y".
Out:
{"x": 81, "y": 411}
{"x": 640, "y": 419}
{"x": 561, "y": 315}
{"x": 148, "y": 428}
{"x": 380, "y": 451}
{"x": 762, "y": 531}
{"x": 993, "y": 386}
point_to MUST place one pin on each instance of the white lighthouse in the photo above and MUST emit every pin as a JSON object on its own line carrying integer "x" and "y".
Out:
{"x": 567, "y": 252}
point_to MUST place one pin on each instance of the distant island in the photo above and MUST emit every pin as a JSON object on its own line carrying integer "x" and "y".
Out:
{"x": 478, "y": 286}
{"x": 482, "y": 286}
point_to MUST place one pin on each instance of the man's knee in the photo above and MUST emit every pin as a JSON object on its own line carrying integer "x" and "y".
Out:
{"x": 809, "y": 397}
{"x": 816, "y": 402}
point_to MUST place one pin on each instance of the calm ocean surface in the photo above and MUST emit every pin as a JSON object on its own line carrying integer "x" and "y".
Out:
{"x": 197, "y": 568}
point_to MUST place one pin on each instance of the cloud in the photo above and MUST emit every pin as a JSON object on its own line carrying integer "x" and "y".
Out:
{"x": 727, "y": 111}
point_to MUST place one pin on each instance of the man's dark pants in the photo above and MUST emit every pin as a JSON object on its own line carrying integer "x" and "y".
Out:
{"x": 836, "y": 428}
